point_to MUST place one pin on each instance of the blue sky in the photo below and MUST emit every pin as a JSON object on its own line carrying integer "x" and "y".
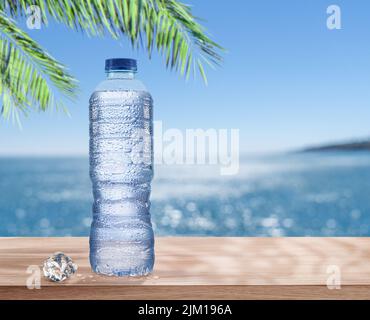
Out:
{"x": 287, "y": 81}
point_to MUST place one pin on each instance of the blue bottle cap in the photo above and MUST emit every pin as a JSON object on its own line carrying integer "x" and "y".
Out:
{"x": 116, "y": 64}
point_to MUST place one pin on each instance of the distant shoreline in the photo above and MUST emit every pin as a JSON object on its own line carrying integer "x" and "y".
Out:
{"x": 349, "y": 146}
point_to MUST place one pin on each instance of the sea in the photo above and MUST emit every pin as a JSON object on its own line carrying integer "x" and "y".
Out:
{"x": 286, "y": 194}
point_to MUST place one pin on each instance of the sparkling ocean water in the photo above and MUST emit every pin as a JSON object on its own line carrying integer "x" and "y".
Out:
{"x": 315, "y": 194}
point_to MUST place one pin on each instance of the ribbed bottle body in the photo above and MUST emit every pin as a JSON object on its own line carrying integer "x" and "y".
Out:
{"x": 121, "y": 171}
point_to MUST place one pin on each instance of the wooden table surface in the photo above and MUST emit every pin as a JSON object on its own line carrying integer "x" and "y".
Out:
{"x": 200, "y": 268}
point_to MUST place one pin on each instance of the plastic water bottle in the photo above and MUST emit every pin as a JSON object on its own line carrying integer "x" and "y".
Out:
{"x": 121, "y": 170}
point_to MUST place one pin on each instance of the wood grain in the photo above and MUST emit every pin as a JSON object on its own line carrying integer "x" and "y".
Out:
{"x": 200, "y": 268}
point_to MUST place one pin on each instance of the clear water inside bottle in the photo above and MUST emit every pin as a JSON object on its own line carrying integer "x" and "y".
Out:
{"x": 121, "y": 171}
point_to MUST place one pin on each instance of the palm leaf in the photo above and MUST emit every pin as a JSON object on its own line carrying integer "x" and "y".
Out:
{"x": 169, "y": 22}
{"x": 28, "y": 73}
{"x": 167, "y": 25}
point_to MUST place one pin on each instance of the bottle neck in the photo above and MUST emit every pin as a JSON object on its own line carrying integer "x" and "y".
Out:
{"x": 120, "y": 74}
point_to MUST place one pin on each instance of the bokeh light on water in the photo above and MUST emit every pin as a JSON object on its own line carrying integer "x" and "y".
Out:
{"x": 281, "y": 195}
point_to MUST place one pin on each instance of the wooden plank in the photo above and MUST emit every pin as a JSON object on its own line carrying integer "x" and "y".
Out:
{"x": 200, "y": 268}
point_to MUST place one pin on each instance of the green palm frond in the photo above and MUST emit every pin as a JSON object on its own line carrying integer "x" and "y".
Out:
{"x": 28, "y": 73}
{"x": 166, "y": 25}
